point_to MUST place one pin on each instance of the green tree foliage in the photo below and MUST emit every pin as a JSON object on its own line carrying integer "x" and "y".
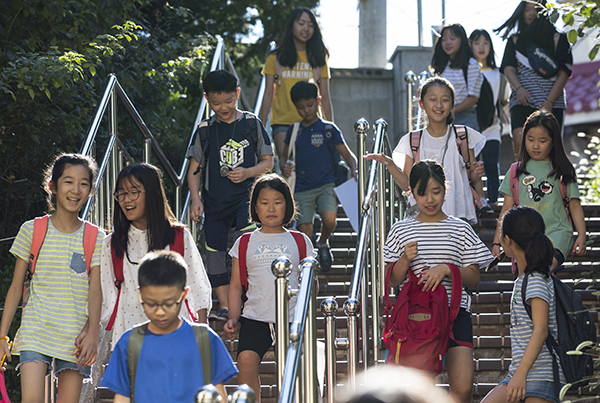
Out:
{"x": 55, "y": 59}
{"x": 582, "y": 20}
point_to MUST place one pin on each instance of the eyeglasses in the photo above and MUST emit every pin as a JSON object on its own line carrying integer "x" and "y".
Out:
{"x": 166, "y": 306}
{"x": 132, "y": 195}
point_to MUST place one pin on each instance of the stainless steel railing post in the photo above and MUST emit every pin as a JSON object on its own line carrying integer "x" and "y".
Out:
{"x": 329, "y": 307}
{"x": 361, "y": 127}
{"x": 311, "y": 387}
{"x": 208, "y": 394}
{"x": 243, "y": 394}
{"x": 281, "y": 269}
{"x": 147, "y": 150}
{"x": 352, "y": 309}
{"x": 410, "y": 79}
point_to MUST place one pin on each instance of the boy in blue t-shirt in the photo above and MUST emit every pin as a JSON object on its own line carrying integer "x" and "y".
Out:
{"x": 316, "y": 143}
{"x": 169, "y": 368}
{"x": 229, "y": 150}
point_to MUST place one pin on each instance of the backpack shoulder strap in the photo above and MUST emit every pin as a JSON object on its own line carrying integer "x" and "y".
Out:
{"x": 134, "y": 347}
{"x": 415, "y": 143}
{"x": 252, "y": 127}
{"x": 40, "y": 227}
{"x": 117, "y": 263}
{"x": 514, "y": 183}
{"x": 90, "y": 235}
{"x": 462, "y": 142}
{"x": 243, "y": 247}
{"x": 203, "y": 340}
{"x": 178, "y": 244}
{"x": 299, "y": 238}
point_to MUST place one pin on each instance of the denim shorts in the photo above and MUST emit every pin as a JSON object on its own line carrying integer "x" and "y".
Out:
{"x": 468, "y": 117}
{"x": 61, "y": 365}
{"x": 279, "y": 128}
{"x": 542, "y": 389}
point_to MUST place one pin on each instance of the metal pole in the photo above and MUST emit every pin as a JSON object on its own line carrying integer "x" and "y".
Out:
{"x": 361, "y": 127}
{"x": 410, "y": 79}
{"x": 311, "y": 388}
{"x": 329, "y": 307}
{"x": 281, "y": 269}
{"x": 147, "y": 150}
{"x": 351, "y": 309}
{"x": 420, "y": 21}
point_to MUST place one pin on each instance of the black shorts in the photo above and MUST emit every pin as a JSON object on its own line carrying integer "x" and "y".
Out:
{"x": 255, "y": 336}
{"x": 520, "y": 113}
{"x": 462, "y": 330}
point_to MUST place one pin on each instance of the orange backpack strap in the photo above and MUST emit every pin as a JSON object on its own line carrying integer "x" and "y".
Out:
{"x": 90, "y": 235}
{"x": 40, "y": 227}
{"x": 462, "y": 142}
{"x": 415, "y": 143}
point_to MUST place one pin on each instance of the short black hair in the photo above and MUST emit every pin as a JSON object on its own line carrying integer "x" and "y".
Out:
{"x": 275, "y": 182}
{"x": 304, "y": 90}
{"x": 422, "y": 172}
{"x": 163, "y": 269}
{"x": 220, "y": 81}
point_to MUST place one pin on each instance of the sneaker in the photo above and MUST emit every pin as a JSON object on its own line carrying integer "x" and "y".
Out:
{"x": 220, "y": 314}
{"x": 485, "y": 210}
{"x": 324, "y": 256}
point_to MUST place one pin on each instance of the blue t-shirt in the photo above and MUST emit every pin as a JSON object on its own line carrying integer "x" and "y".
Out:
{"x": 314, "y": 147}
{"x": 169, "y": 367}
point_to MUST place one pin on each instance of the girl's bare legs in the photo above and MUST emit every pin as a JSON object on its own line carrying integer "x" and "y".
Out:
{"x": 247, "y": 363}
{"x": 33, "y": 375}
{"x": 459, "y": 365}
{"x": 70, "y": 382}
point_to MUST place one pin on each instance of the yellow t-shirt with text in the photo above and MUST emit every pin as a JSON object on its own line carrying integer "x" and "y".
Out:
{"x": 283, "y": 111}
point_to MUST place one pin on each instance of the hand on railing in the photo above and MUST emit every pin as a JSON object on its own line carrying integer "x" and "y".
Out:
{"x": 399, "y": 176}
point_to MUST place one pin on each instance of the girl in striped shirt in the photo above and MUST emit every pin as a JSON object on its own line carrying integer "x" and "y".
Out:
{"x": 61, "y": 316}
{"x": 530, "y": 376}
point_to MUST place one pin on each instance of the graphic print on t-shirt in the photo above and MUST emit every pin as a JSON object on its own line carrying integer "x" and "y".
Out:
{"x": 316, "y": 139}
{"x": 536, "y": 193}
{"x": 232, "y": 153}
{"x": 265, "y": 254}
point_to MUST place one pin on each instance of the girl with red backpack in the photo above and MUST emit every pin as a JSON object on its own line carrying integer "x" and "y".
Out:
{"x": 144, "y": 222}
{"x": 272, "y": 208}
{"x": 530, "y": 375}
{"x": 427, "y": 245}
{"x": 59, "y": 257}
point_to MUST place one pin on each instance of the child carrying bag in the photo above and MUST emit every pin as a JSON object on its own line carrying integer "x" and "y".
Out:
{"x": 417, "y": 332}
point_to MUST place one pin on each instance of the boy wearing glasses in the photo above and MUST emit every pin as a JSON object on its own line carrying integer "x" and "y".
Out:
{"x": 169, "y": 365}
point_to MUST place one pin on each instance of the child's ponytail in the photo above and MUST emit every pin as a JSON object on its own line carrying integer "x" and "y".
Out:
{"x": 525, "y": 226}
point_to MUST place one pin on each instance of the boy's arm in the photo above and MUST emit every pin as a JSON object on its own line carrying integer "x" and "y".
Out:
{"x": 86, "y": 344}
{"x": 197, "y": 208}
{"x": 326, "y": 100}
{"x": 579, "y": 222}
{"x": 240, "y": 174}
{"x": 234, "y": 300}
{"x": 121, "y": 399}
{"x": 349, "y": 157}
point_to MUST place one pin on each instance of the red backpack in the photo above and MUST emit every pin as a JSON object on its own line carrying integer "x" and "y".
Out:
{"x": 40, "y": 227}
{"x": 117, "y": 262}
{"x": 462, "y": 143}
{"x": 243, "y": 247}
{"x": 417, "y": 332}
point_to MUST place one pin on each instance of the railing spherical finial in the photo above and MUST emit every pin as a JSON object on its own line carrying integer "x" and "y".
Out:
{"x": 361, "y": 126}
{"x": 410, "y": 77}
{"x": 208, "y": 394}
{"x": 243, "y": 394}
{"x": 351, "y": 306}
{"x": 281, "y": 267}
{"x": 329, "y": 306}
{"x": 309, "y": 262}
{"x": 382, "y": 122}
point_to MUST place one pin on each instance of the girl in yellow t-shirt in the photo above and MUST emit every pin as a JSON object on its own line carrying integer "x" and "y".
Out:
{"x": 301, "y": 56}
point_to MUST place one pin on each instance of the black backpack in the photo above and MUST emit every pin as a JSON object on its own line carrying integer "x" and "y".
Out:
{"x": 486, "y": 105}
{"x": 575, "y": 326}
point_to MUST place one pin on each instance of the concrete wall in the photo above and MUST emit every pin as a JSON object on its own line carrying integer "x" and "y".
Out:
{"x": 361, "y": 93}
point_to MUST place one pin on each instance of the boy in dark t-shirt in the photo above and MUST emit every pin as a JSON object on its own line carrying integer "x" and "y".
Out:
{"x": 229, "y": 150}
{"x": 316, "y": 144}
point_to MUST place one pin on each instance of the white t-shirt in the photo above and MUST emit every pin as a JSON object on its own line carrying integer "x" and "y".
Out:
{"x": 463, "y": 89}
{"x": 130, "y": 311}
{"x": 262, "y": 250}
{"x": 459, "y": 199}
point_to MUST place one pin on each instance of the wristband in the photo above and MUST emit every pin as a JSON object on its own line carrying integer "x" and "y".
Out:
{"x": 495, "y": 243}
{"x": 6, "y": 338}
